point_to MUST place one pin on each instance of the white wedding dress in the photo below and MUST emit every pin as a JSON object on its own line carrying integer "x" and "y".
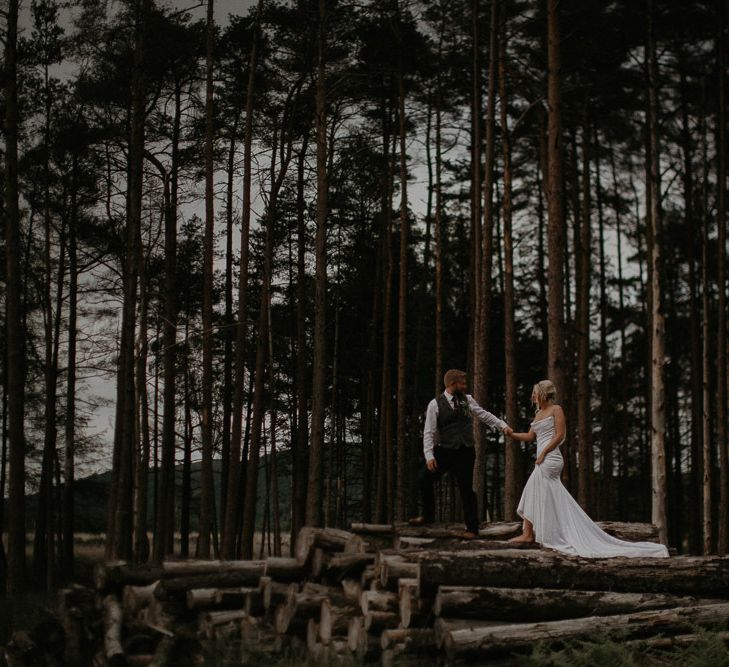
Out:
{"x": 559, "y": 521}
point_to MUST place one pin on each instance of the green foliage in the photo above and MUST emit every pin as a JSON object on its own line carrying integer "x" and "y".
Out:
{"x": 610, "y": 651}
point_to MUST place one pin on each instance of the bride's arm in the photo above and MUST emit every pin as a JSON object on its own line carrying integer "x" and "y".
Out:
{"x": 560, "y": 429}
{"x": 530, "y": 436}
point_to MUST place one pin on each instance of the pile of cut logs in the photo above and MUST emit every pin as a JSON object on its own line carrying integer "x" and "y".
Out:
{"x": 378, "y": 591}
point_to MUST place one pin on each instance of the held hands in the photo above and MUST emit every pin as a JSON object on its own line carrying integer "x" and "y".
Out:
{"x": 507, "y": 430}
{"x": 431, "y": 465}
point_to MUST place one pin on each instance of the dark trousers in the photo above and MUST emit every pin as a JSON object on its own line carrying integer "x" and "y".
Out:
{"x": 461, "y": 461}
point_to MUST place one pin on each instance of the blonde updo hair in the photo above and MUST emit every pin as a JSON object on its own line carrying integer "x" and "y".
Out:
{"x": 545, "y": 391}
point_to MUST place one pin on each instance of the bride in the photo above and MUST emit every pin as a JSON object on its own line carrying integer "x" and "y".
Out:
{"x": 552, "y": 517}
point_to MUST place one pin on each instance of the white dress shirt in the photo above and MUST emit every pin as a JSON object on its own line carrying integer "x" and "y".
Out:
{"x": 430, "y": 431}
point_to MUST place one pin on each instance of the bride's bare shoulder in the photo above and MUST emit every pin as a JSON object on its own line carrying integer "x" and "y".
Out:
{"x": 557, "y": 410}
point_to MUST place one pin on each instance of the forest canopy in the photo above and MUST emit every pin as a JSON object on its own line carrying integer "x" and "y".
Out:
{"x": 241, "y": 250}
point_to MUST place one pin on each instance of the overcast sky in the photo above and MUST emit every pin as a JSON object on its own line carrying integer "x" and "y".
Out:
{"x": 222, "y": 9}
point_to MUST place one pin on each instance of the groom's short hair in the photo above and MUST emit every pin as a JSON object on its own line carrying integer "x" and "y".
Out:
{"x": 453, "y": 375}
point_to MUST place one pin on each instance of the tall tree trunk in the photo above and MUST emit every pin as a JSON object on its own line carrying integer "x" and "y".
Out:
{"x": 314, "y": 489}
{"x": 383, "y": 504}
{"x": 542, "y": 269}
{"x": 165, "y": 512}
{"x": 622, "y": 434}
{"x": 44, "y": 546}
{"x": 274, "y": 496}
{"x": 232, "y": 512}
{"x": 582, "y": 317}
{"x": 487, "y": 232}
{"x": 722, "y": 438}
{"x": 206, "y": 467}
{"x": 475, "y": 259}
{"x": 386, "y": 253}
{"x": 402, "y": 485}
{"x": 692, "y": 232}
{"x": 438, "y": 223}
{"x": 301, "y": 453}
{"x": 707, "y": 533}
{"x": 251, "y": 490}
{"x": 67, "y": 556}
{"x": 3, "y": 478}
{"x": 604, "y": 496}
{"x": 658, "y": 402}
{"x": 251, "y": 484}
{"x": 511, "y": 456}
{"x": 332, "y": 497}
{"x": 141, "y": 541}
{"x": 556, "y": 237}
{"x": 186, "y": 499}
{"x": 229, "y": 322}
{"x": 119, "y": 516}
{"x": 416, "y": 406}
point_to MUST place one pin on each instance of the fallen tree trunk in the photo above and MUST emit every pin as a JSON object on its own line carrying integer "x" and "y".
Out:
{"x": 372, "y": 528}
{"x": 442, "y": 627}
{"x": 379, "y": 601}
{"x": 374, "y": 536}
{"x": 368, "y": 576}
{"x": 113, "y": 616}
{"x": 546, "y": 604}
{"x": 136, "y": 597}
{"x": 358, "y": 545}
{"x": 403, "y": 542}
{"x": 500, "y": 530}
{"x": 284, "y": 569}
{"x": 413, "y": 609}
{"x": 200, "y": 598}
{"x": 317, "y": 562}
{"x": 477, "y": 642}
{"x": 334, "y": 618}
{"x": 163, "y": 614}
{"x": 352, "y": 589}
{"x": 681, "y": 575}
{"x": 274, "y": 592}
{"x": 635, "y": 532}
{"x": 328, "y": 539}
{"x": 307, "y": 603}
{"x": 347, "y": 565}
{"x": 109, "y": 575}
{"x": 176, "y": 589}
{"x": 395, "y": 566}
{"x": 210, "y": 623}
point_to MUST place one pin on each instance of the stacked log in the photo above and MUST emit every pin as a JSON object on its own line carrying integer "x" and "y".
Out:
{"x": 377, "y": 592}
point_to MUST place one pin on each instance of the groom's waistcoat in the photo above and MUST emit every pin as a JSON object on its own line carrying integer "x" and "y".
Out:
{"x": 454, "y": 429}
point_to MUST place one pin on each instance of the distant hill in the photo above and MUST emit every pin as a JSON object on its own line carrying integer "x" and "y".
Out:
{"x": 92, "y": 492}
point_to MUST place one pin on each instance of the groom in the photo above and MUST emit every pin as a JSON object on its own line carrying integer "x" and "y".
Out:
{"x": 449, "y": 418}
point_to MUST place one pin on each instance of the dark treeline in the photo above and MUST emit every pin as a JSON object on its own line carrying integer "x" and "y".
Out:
{"x": 272, "y": 236}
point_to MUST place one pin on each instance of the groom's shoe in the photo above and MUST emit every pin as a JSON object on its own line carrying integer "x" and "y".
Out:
{"x": 418, "y": 521}
{"x": 469, "y": 535}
